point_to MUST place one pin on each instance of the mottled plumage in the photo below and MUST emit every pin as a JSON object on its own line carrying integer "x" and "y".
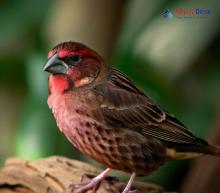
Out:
{"x": 106, "y": 116}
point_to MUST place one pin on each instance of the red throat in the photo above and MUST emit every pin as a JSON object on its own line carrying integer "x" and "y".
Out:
{"x": 58, "y": 84}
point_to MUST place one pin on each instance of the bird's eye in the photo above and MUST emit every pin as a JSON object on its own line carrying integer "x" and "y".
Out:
{"x": 72, "y": 60}
{"x": 75, "y": 58}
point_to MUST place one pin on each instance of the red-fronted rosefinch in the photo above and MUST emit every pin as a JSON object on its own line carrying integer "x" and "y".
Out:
{"x": 103, "y": 113}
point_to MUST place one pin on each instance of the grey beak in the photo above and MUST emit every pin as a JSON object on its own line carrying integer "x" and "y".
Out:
{"x": 55, "y": 65}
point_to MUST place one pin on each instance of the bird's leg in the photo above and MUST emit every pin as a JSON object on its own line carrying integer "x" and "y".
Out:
{"x": 93, "y": 184}
{"x": 128, "y": 186}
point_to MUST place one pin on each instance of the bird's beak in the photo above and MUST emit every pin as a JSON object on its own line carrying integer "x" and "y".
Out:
{"x": 55, "y": 65}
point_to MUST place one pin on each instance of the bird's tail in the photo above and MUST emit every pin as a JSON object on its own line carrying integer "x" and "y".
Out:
{"x": 192, "y": 152}
{"x": 211, "y": 150}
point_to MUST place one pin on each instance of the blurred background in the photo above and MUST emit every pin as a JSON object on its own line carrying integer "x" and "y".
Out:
{"x": 173, "y": 57}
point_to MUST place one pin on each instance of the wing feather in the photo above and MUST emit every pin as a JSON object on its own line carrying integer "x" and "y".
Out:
{"x": 125, "y": 106}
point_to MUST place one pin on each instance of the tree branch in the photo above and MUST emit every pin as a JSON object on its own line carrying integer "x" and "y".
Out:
{"x": 55, "y": 175}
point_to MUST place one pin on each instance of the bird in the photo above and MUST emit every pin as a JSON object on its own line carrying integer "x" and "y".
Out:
{"x": 106, "y": 116}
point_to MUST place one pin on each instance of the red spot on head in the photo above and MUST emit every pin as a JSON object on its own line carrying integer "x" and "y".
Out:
{"x": 64, "y": 53}
{"x": 67, "y": 49}
{"x": 81, "y": 53}
{"x": 51, "y": 53}
{"x": 61, "y": 53}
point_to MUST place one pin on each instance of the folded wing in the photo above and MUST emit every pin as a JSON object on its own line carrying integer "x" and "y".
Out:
{"x": 125, "y": 106}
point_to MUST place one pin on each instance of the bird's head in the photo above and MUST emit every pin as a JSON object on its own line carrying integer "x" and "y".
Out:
{"x": 73, "y": 65}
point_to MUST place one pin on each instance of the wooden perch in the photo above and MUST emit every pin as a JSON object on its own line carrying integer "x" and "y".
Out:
{"x": 55, "y": 175}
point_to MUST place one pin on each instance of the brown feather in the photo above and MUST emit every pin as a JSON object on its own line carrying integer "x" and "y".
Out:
{"x": 124, "y": 105}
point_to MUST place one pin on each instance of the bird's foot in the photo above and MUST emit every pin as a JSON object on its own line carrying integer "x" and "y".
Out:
{"x": 92, "y": 185}
{"x": 84, "y": 187}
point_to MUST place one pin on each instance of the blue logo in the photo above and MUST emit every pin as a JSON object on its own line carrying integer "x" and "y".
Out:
{"x": 167, "y": 14}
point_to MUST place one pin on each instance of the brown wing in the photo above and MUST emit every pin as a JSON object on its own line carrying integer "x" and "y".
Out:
{"x": 124, "y": 105}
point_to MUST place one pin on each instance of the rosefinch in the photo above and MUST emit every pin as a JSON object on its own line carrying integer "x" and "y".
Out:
{"x": 103, "y": 113}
